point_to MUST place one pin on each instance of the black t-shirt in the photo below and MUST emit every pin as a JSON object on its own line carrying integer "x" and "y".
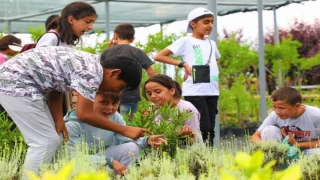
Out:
{"x": 132, "y": 96}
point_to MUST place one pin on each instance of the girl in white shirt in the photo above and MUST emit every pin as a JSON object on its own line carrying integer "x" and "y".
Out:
{"x": 75, "y": 19}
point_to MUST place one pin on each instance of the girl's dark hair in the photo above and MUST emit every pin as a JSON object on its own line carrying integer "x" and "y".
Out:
{"x": 287, "y": 94}
{"x": 111, "y": 96}
{"x": 52, "y": 22}
{"x": 78, "y": 10}
{"x": 165, "y": 81}
{"x": 7, "y": 40}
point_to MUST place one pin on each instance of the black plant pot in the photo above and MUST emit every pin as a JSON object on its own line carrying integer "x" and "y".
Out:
{"x": 251, "y": 130}
{"x": 228, "y": 131}
{"x": 238, "y": 131}
{"x": 222, "y": 132}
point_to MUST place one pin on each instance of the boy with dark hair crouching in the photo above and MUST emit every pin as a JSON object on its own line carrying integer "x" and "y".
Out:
{"x": 291, "y": 121}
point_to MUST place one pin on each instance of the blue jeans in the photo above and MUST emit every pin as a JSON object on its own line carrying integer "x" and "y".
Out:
{"x": 126, "y": 107}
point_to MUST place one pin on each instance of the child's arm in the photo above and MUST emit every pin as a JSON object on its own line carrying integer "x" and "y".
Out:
{"x": 150, "y": 71}
{"x": 119, "y": 168}
{"x": 144, "y": 142}
{"x": 163, "y": 56}
{"x": 85, "y": 114}
{"x": 303, "y": 145}
{"x": 55, "y": 106}
{"x": 145, "y": 62}
{"x": 308, "y": 144}
{"x": 186, "y": 131}
{"x": 256, "y": 137}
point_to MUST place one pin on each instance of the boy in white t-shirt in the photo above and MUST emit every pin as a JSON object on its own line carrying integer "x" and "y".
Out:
{"x": 197, "y": 50}
{"x": 291, "y": 121}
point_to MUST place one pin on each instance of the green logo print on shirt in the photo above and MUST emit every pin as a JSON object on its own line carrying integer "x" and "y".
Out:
{"x": 215, "y": 78}
{"x": 197, "y": 54}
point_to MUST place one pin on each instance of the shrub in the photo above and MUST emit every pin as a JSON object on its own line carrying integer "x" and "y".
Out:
{"x": 309, "y": 166}
{"x": 273, "y": 150}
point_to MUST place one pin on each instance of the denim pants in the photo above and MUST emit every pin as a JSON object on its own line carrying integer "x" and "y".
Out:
{"x": 125, "y": 108}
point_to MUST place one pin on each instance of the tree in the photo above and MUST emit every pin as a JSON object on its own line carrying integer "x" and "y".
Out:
{"x": 305, "y": 33}
{"x": 309, "y": 37}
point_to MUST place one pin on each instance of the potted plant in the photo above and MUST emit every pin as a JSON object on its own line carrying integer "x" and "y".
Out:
{"x": 238, "y": 108}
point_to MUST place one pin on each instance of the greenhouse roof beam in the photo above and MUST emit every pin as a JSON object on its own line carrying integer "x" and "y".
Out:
{"x": 97, "y": 22}
{"x": 15, "y": 18}
{"x": 230, "y": 3}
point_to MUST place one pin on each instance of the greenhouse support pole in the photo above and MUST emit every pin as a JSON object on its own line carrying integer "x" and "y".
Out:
{"x": 276, "y": 41}
{"x": 212, "y": 6}
{"x": 161, "y": 29}
{"x": 276, "y": 31}
{"x": 9, "y": 27}
{"x": 262, "y": 72}
{"x": 107, "y": 7}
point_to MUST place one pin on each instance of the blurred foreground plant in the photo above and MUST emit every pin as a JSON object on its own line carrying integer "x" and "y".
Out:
{"x": 64, "y": 174}
{"x": 251, "y": 167}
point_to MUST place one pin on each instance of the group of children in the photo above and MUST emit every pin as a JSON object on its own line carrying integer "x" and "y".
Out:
{"x": 32, "y": 86}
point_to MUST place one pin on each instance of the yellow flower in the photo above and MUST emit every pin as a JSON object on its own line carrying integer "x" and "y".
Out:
{"x": 251, "y": 167}
{"x": 63, "y": 174}
{"x": 91, "y": 176}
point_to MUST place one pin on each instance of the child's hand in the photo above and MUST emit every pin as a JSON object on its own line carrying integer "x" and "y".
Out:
{"x": 134, "y": 132}
{"x": 119, "y": 168}
{"x": 186, "y": 131}
{"x": 284, "y": 131}
{"x": 156, "y": 141}
{"x": 113, "y": 41}
{"x": 188, "y": 71}
{"x": 146, "y": 113}
{"x": 61, "y": 128}
{"x": 292, "y": 140}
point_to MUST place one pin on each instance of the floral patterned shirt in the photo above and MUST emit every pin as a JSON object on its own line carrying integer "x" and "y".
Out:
{"x": 40, "y": 70}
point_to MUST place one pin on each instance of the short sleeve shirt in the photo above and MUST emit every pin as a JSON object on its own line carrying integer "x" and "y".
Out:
{"x": 51, "y": 39}
{"x": 305, "y": 127}
{"x": 194, "y": 121}
{"x": 197, "y": 52}
{"x": 130, "y": 96}
{"x": 35, "y": 72}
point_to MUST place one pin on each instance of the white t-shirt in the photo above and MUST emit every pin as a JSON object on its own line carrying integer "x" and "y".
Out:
{"x": 305, "y": 127}
{"x": 50, "y": 39}
{"x": 196, "y": 52}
